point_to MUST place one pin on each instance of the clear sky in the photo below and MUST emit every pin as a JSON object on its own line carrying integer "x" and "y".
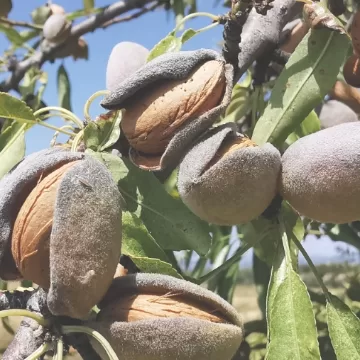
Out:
{"x": 88, "y": 77}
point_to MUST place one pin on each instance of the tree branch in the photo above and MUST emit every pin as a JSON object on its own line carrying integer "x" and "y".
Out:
{"x": 133, "y": 16}
{"x": 262, "y": 33}
{"x": 88, "y": 25}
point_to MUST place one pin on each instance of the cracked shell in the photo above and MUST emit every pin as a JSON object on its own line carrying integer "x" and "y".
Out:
{"x": 152, "y": 316}
{"x": 321, "y": 172}
{"x": 226, "y": 179}
{"x": 169, "y": 102}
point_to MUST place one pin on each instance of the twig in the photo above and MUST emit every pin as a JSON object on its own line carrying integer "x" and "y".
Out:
{"x": 20, "y": 23}
{"x": 88, "y": 25}
{"x": 133, "y": 16}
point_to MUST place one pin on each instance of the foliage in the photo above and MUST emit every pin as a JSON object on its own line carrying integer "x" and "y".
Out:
{"x": 161, "y": 235}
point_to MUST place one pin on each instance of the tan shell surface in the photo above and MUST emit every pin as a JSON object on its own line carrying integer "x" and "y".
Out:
{"x": 138, "y": 307}
{"x": 152, "y": 118}
{"x": 32, "y": 228}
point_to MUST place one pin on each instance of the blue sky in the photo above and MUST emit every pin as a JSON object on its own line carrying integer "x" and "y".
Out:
{"x": 87, "y": 77}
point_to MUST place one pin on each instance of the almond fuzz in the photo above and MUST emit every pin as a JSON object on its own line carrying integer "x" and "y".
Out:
{"x": 153, "y": 117}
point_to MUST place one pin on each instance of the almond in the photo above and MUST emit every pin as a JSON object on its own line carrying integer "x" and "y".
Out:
{"x": 147, "y": 306}
{"x": 32, "y": 229}
{"x": 152, "y": 118}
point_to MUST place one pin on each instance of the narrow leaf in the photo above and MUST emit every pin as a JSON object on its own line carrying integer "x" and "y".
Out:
{"x": 169, "y": 221}
{"x": 114, "y": 133}
{"x": 12, "y": 35}
{"x": 344, "y": 330}
{"x": 15, "y": 109}
{"x": 292, "y": 327}
{"x": 307, "y": 77}
{"x": 64, "y": 88}
{"x": 141, "y": 247}
{"x": 12, "y": 147}
{"x": 291, "y": 323}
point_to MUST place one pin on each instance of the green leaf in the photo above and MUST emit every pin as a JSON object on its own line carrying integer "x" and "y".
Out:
{"x": 169, "y": 44}
{"x": 114, "y": 133}
{"x": 169, "y": 221}
{"x": 12, "y": 147}
{"x": 12, "y": 35}
{"x": 89, "y": 4}
{"x": 310, "y": 125}
{"x": 64, "y": 88}
{"x": 344, "y": 329}
{"x": 102, "y": 134}
{"x": 291, "y": 323}
{"x": 141, "y": 247}
{"x": 307, "y": 77}
{"x": 15, "y": 109}
{"x": 187, "y": 35}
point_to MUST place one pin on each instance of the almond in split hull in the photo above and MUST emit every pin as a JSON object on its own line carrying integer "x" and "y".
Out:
{"x": 154, "y": 115}
{"x": 138, "y": 307}
{"x": 32, "y": 229}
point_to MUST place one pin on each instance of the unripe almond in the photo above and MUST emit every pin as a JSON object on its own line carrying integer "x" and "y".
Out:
{"x": 126, "y": 57}
{"x": 151, "y": 120}
{"x": 334, "y": 113}
{"x": 57, "y": 28}
{"x": 152, "y": 316}
{"x": 226, "y": 179}
{"x": 321, "y": 172}
{"x": 32, "y": 229}
{"x": 169, "y": 102}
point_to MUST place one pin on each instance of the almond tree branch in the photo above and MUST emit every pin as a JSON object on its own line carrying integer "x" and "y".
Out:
{"x": 89, "y": 25}
{"x": 133, "y": 16}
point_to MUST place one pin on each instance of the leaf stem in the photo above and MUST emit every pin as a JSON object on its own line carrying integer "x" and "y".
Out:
{"x": 20, "y": 312}
{"x": 52, "y": 127}
{"x": 285, "y": 241}
{"x": 235, "y": 258}
{"x": 43, "y": 349}
{"x": 90, "y": 101}
{"x": 61, "y": 110}
{"x": 193, "y": 15}
{"x": 95, "y": 334}
{"x": 312, "y": 267}
{"x": 77, "y": 140}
